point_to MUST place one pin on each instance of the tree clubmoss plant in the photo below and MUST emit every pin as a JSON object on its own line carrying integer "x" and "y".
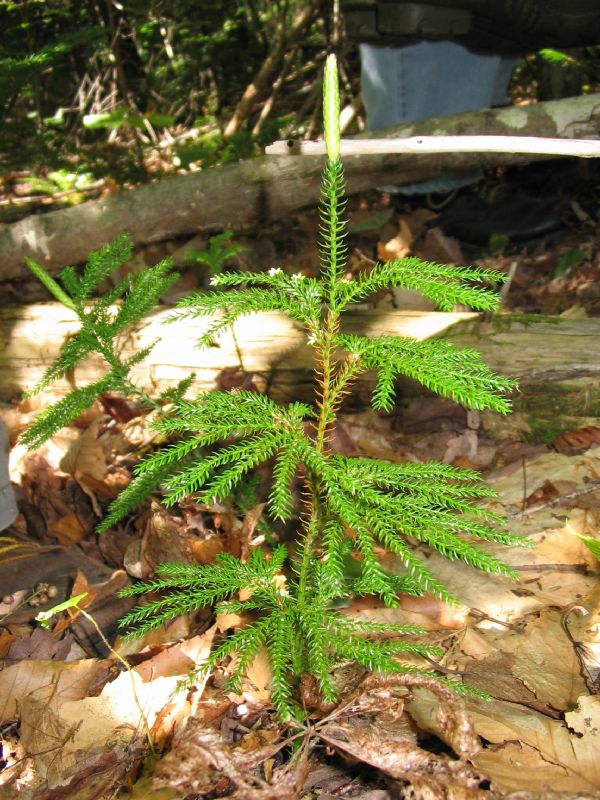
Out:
{"x": 102, "y": 325}
{"x": 354, "y": 507}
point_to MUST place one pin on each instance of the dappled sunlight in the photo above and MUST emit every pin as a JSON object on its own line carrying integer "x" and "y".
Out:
{"x": 414, "y": 324}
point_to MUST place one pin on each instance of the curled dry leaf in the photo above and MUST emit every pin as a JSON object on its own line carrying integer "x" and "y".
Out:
{"x": 399, "y": 246}
{"x": 572, "y": 747}
{"x": 201, "y": 761}
{"x": 379, "y": 690}
{"x": 582, "y": 625}
{"x": 369, "y": 727}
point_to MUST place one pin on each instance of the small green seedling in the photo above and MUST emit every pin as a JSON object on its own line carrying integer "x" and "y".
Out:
{"x": 221, "y": 251}
{"x": 44, "y": 617}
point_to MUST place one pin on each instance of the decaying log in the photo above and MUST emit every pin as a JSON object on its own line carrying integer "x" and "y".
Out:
{"x": 254, "y": 192}
{"x": 555, "y": 359}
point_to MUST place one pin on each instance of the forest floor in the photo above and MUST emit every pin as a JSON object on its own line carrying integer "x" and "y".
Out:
{"x": 75, "y": 723}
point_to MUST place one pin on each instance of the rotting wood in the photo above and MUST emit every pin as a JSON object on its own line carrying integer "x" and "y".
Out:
{"x": 556, "y": 360}
{"x": 251, "y": 193}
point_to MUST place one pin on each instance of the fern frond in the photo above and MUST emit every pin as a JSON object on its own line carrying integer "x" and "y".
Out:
{"x": 218, "y": 473}
{"x": 245, "y": 643}
{"x": 331, "y": 582}
{"x": 313, "y": 622}
{"x": 222, "y": 414}
{"x": 175, "y": 454}
{"x": 175, "y": 394}
{"x": 299, "y": 295}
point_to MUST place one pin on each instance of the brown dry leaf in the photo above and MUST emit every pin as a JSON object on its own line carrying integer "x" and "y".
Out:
{"x": 166, "y": 539}
{"x": 545, "y": 660}
{"x": 44, "y": 736}
{"x": 258, "y": 679}
{"x": 85, "y": 456}
{"x": 518, "y": 482}
{"x": 427, "y": 611}
{"x": 39, "y": 645}
{"x": 95, "y": 595}
{"x": 6, "y": 639}
{"x": 578, "y": 440}
{"x": 417, "y": 220}
{"x": 366, "y": 434}
{"x": 438, "y": 247}
{"x": 473, "y": 644}
{"x": 518, "y": 767}
{"x": 492, "y": 595}
{"x": 565, "y": 755}
{"x": 399, "y": 246}
{"x": 68, "y": 529}
{"x": 251, "y": 520}
{"x": 70, "y": 681}
{"x": 439, "y": 615}
{"x": 534, "y": 663}
{"x": 584, "y": 521}
{"x": 178, "y": 660}
{"x": 56, "y": 772}
{"x": 176, "y": 630}
{"x": 226, "y": 622}
{"x": 206, "y": 550}
{"x": 583, "y": 625}
{"x": 576, "y": 753}
{"x": 120, "y": 713}
{"x": 463, "y": 446}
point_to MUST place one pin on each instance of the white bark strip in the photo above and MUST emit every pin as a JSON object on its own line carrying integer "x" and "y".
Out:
{"x": 534, "y": 145}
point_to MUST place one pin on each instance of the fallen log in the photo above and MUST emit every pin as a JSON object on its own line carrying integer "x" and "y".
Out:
{"x": 556, "y": 360}
{"x": 252, "y": 193}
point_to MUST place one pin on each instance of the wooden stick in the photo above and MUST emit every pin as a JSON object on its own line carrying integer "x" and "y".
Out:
{"x": 537, "y": 145}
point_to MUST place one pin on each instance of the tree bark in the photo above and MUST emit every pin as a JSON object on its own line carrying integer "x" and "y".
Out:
{"x": 252, "y": 193}
{"x": 556, "y": 360}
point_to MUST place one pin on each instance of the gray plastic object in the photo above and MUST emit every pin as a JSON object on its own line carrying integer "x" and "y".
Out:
{"x": 8, "y": 505}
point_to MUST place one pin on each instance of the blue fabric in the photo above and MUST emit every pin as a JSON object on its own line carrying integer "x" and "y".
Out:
{"x": 430, "y": 79}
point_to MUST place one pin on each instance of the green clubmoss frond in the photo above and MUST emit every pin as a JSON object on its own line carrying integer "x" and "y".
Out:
{"x": 101, "y": 264}
{"x": 140, "y": 488}
{"x": 446, "y": 285}
{"x": 61, "y": 414}
{"x": 437, "y": 364}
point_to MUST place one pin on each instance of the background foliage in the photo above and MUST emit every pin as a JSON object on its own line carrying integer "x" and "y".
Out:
{"x": 104, "y": 75}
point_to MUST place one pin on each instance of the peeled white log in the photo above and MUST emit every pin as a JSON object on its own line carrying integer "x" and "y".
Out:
{"x": 533, "y": 145}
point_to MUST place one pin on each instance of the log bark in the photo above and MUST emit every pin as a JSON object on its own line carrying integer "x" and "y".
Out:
{"x": 556, "y": 360}
{"x": 252, "y": 193}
